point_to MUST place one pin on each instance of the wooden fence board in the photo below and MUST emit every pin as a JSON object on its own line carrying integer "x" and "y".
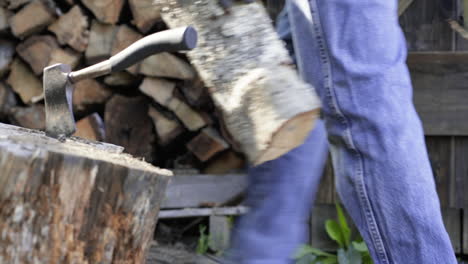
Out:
{"x": 326, "y": 189}
{"x": 425, "y": 27}
{"x": 199, "y": 190}
{"x": 452, "y": 221}
{"x": 440, "y": 155}
{"x": 440, "y": 93}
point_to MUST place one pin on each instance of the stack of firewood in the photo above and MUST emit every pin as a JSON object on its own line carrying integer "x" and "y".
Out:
{"x": 159, "y": 109}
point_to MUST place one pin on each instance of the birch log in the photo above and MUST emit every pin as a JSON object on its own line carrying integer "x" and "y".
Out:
{"x": 265, "y": 105}
{"x": 74, "y": 201}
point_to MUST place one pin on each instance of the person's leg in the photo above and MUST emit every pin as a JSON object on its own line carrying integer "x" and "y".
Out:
{"x": 355, "y": 52}
{"x": 280, "y": 195}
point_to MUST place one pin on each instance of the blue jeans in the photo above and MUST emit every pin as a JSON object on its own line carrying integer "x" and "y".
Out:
{"x": 354, "y": 53}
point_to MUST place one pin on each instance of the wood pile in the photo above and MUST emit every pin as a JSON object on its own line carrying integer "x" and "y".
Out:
{"x": 159, "y": 110}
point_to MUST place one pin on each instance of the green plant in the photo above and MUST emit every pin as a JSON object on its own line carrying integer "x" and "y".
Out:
{"x": 203, "y": 240}
{"x": 348, "y": 252}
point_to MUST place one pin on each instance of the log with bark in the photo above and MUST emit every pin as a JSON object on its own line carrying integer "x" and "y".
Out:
{"x": 74, "y": 201}
{"x": 265, "y": 105}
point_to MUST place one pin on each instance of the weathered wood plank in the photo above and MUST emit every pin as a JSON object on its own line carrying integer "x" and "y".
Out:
{"x": 197, "y": 212}
{"x": 326, "y": 189}
{"x": 425, "y": 26}
{"x": 440, "y": 155}
{"x": 195, "y": 190}
{"x": 440, "y": 92}
{"x": 452, "y": 221}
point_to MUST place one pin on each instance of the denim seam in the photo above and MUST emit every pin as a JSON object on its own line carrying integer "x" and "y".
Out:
{"x": 328, "y": 85}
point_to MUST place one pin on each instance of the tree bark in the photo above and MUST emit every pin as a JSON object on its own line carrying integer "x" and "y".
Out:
{"x": 74, "y": 201}
{"x": 267, "y": 108}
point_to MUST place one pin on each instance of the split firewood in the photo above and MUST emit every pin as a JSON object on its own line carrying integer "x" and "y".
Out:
{"x": 101, "y": 37}
{"x": 207, "y": 144}
{"x": 7, "y": 100}
{"x": 66, "y": 56}
{"x": 91, "y": 128}
{"x": 166, "y": 128}
{"x": 36, "y": 51}
{"x": 32, "y": 117}
{"x": 85, "y": 202}
{"x": 31, "y": 19}
{"x": 7, "y": 50}
{"x": 88, "y": 94}
{"x": 128, "y": 125}
{"x": 4, "y": 17}
{"x": 162, "y": 91}
{"x": 167, "y": 65}
{"x": 72, "y": 29}
{"x": 24, "y": 82}
{"x": 196, "y": 93}
{"x": 106, "y": 11}
{"x": 247, "y": 70}
{"x": 227, "y": 162}
{"x": 145, "y": 14}
{"x": 124, "y": 37}
{"x": 122, "y": 78}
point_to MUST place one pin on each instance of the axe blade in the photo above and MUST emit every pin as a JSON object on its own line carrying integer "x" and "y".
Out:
{"x": 58, "y": 91}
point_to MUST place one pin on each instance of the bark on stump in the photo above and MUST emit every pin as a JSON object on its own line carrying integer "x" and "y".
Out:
{"x": 74, "y": 201}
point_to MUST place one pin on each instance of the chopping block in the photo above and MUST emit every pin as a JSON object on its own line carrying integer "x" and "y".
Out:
{"x": 74, "y": 201}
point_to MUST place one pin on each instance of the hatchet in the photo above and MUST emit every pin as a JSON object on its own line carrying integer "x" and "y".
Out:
{"x": 58, "y": 79}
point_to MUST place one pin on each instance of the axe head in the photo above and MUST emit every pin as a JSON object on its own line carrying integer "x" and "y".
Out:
{"x": 58, "y": 91}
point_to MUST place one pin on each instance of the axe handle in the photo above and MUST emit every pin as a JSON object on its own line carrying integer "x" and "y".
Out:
{"x": 184, "y": 38}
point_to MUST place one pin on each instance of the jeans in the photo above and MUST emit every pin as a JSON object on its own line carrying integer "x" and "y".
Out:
{"x": 353, "y": 53}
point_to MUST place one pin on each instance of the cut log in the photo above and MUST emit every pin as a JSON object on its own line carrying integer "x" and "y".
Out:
{"x": 227, "y": 162}
{"x": 7, "y": 100}
{"x": 167, "y": 65}
{"x": 106, "y": 11}
{"x": 265, "y": 105}
{"x": 101, "y": 37}
{"x": 122, "y": 78}
{"x": 207, "y": 144}
{"x": 77, "y": 201}
{"x": 24, "y": 82}
{"x": 67, "y": 56}
{"x": 36, "y": 51}
{"x": 167, "y": 129}
{"x": 145, "y": 14}
{"x": 88, "y": 94}
{"x": 4, "y": 17}
{"x": 128, "y": 125}
{"x": 91, "y": 128}
{"x": 31, "y": 19}
{"x": 124, "y": 37}
{"x": 72, "y": 29}
{"x": 32, "y": 117}
{"x": 7, "y": 50}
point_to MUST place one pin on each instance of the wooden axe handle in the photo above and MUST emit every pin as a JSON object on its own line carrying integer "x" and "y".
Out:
{"x": 183, "y": 38}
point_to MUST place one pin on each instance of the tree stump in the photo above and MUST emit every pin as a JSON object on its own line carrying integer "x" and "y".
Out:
{"x": 74, "y": 201}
